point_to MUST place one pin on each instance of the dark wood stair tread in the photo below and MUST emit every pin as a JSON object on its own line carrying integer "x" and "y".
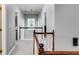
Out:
{"x": 61, "y": 53}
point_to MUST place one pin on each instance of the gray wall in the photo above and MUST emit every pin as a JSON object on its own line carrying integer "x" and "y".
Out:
{"x": 49, "y": 9}
{"x": 10, "y": 27}
{"x": 20, "y": 17}
{"x": 66, "y": 26}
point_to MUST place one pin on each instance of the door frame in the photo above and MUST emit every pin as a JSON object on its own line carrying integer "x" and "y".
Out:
{"x": 4, "y": 42}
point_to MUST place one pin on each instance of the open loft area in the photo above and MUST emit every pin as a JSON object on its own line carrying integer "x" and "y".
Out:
{"x": 40, "y": 29}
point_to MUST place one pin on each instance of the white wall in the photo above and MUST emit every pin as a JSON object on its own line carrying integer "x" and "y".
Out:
{"x": 49, "y": 9}
{"x": 66, "y": 26}
{"x": 10, "y": 27}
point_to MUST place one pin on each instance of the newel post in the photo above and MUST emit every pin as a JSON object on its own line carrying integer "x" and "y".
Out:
{"x": 41, "y": 49}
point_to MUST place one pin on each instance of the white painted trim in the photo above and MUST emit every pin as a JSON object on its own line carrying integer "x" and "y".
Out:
{"x": 4, "y": 42}
{"x": 12, "y": 50}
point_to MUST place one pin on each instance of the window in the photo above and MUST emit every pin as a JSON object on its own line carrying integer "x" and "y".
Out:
{"x": 31, "y": 22}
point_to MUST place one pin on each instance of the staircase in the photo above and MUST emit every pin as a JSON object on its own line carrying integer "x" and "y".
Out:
{"x": 41, "y": 50}
{"x": 61, "y": 53}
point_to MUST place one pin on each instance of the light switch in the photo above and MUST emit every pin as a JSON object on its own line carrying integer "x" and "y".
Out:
{"x": 75, "y": 41}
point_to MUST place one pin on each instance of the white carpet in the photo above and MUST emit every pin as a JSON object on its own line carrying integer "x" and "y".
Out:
{"x": 23, "y": 47}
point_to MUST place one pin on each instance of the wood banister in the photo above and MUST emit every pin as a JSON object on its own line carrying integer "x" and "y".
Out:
{"x": 36, "y": 38}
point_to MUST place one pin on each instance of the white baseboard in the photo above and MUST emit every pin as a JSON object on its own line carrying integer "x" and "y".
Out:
{"x": 11, "y": 50}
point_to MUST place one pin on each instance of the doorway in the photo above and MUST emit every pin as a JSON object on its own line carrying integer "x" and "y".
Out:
{"x": 16, "y": 26}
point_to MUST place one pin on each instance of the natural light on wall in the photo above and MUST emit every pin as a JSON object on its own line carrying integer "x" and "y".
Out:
{"x": 31, "y": 22}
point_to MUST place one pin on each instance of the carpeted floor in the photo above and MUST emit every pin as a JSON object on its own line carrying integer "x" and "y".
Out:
{"x": 23, "y": 47}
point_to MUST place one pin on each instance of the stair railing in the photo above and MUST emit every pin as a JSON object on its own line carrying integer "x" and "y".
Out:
{"x": 40, "y": 46}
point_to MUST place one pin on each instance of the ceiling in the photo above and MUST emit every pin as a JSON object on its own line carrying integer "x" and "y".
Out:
{"x": 26, "y": 8}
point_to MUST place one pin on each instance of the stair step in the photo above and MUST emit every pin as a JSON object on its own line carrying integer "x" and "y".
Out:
{"x": 61, "y": 52}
